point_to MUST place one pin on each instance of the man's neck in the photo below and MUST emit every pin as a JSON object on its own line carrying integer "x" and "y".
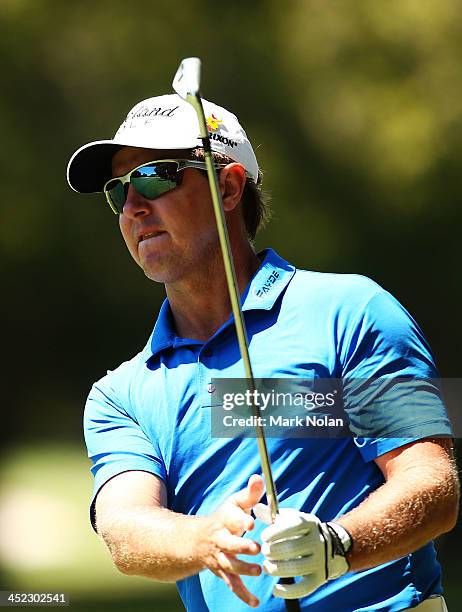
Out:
{"x": 201, "y": 305}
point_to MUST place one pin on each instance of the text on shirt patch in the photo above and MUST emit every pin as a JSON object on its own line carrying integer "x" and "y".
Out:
{"x": 272, "y": 278}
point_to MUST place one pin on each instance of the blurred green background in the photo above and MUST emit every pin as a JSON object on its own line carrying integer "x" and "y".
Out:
{"x": 354, "y": 108}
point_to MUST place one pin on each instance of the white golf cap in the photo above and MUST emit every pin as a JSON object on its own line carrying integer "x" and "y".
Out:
{"x": 164, "y": 122}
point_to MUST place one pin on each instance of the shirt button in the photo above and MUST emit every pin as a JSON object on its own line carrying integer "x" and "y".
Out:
{"x": 211, "y": 388}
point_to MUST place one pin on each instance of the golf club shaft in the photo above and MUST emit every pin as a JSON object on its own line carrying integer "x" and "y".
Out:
{"x": 241, "y": 332}
{"x": 292, "y": 605}
{"x": 186, "y": 83}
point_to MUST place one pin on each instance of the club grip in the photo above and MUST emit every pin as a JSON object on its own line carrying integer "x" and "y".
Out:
{"x": 292, "y": 605}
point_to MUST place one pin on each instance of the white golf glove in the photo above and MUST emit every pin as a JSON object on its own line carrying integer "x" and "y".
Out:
{"x": 299, "y": 544}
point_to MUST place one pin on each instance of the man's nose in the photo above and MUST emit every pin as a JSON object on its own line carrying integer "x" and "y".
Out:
{"x": 135, "y": 204}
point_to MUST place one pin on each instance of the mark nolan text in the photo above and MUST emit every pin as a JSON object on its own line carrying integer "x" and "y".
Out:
{"x": 280, "y": 421}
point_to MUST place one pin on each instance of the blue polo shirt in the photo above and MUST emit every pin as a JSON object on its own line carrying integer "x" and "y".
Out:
{"x": 153, "y": 413}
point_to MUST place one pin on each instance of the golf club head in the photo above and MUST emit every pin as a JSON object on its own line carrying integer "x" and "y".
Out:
{"x": 187, "y": 79}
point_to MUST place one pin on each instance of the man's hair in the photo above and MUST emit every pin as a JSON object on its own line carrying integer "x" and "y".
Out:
{"x": 255, "y": 201}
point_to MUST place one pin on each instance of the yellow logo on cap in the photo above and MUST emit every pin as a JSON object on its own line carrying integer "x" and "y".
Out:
{"x": 213, "y": 123}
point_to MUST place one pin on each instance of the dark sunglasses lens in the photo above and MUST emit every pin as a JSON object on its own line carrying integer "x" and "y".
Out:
{"x": 153, "y": 180}
{"x": 117, "y": 194}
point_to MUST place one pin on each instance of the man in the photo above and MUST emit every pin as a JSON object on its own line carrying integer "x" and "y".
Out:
{"x": 173, "y": 503}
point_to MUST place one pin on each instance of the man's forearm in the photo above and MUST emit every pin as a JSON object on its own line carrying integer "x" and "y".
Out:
{"x": 401, "y": 516}
{"x": 146, "y": 539}
{"x": 156, "y": 543}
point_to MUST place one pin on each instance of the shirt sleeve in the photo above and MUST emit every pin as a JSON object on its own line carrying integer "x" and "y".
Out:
{"x": 391, "y": 391}
{"x": 115, "y": 441}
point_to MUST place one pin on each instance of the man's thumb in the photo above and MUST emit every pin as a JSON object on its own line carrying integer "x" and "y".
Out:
{"x": 251, "y": 495}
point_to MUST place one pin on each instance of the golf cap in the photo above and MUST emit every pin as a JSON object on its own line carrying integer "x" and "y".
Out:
{"x": 164, "y": 122}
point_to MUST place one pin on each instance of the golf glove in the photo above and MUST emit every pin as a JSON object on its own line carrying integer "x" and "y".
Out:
{"x": 299, "y": 544}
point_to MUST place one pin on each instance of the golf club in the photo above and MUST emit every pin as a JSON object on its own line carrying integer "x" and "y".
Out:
{"x": 186, "y": 84}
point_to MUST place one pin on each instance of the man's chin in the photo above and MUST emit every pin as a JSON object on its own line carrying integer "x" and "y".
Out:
{"x": 157, "y": 278}
{"x": 156, "y": 274}
{"x": 161, "y": 271}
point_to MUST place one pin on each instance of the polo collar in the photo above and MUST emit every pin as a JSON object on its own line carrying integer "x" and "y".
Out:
{"x": 267, "y": 284}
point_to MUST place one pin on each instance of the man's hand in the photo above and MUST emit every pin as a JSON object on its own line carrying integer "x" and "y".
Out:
{"x": 224, "y": 541}
{"x": 299, "y": 544}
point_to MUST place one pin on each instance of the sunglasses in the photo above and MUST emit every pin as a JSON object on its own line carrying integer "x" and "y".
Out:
{"x": 149, "y": 180}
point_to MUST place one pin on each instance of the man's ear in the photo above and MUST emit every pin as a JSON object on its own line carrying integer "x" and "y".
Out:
{"x": 232, "y": 182}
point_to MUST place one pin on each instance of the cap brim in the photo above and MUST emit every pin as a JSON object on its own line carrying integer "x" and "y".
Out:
{"x": 90, "y": 166}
